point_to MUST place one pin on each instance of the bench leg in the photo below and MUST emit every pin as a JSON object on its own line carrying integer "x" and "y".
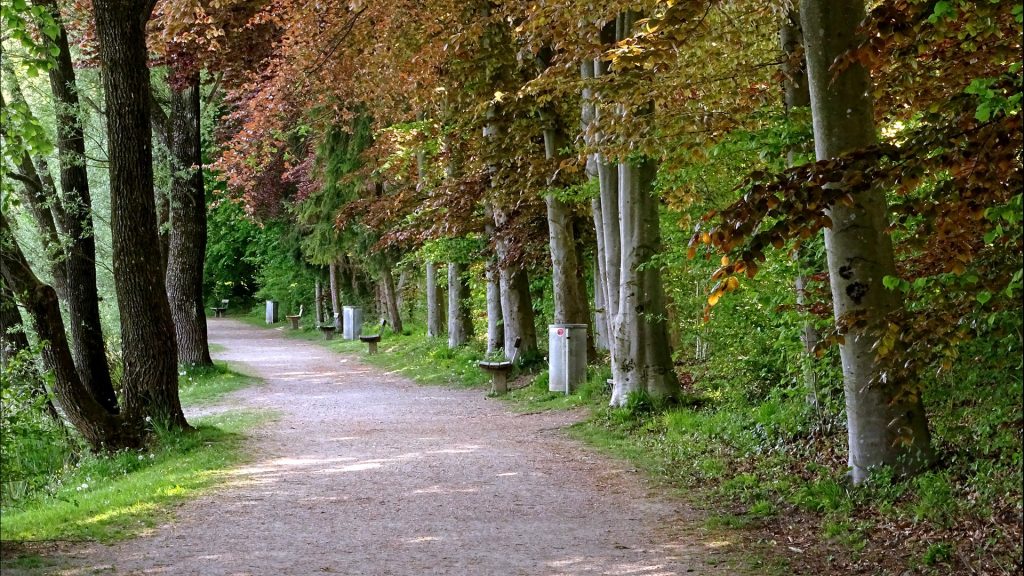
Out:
{"x": 373, "y": 347}
{"x": 328, "y": 334}
{"x": 499, "y": 385}
{"x": 295, "y": 323}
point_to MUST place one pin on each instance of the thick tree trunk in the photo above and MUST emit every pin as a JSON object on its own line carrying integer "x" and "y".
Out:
{"x": 641, "y": 358}
{"x": 187, "y": 250}
{"x": 391, "y": 299}
{"x": 150, "y": 351}
{"x": 460, "y": 320}
{"x": 332, "y": 271}
{"x": 100, "y": 429}
{"x": 884, "y": 426}
{"x": 435, "y": 324}
{"x": 516, "y": 303}
{"x": 568, "y": 294}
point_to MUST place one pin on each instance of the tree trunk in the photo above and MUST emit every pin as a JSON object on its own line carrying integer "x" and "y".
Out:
{"x": 13, "y": 342}
{"x": 318, "y": 302}
{"x": 99, "y": 428}
{"x": 391, "y": 299}
{"x": 884, "y": 427}
{"x": 460, "y": 320}
{"x": 187, "y": 249}
{"x": 495, "y": 322}
{"x": 40, "y": 197}
{"x": 516, "y": 304}
{"x": 332, "y": 271}
{"x": 641, "y": 358}
{"x": 150, "y": 351}
{"x": 568, "y": 295}
{"x": 602, "y": 319}
{"x": 796, "y": 95}
{"x": 435, "y": 325}
{"x": 80, "y": 259}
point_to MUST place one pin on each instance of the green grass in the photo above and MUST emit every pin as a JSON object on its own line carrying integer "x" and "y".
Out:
{"x": 198, "y": 386}
{"x": 112, "y": 496}
{"x": 109, "y": 497}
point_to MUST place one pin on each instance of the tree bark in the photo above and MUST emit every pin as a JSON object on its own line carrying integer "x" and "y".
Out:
{"x": 13, "y": 341}
{"x": 460, "y": 320}
{"x": 641, "y": 358}
{"x": 516, "y": 303}
{"x": 187, "y": 248}
{"x": 40, "y": 197}
{"x": 884, "y": 426}
{"x": 797, "y": 95}
{"x": 435, "y": 324}
{"x": 100, "y": 429}
{"x": 391, "y": 299}
{"x": 318, "y": 302}
{"x": 335, "y": 307}
{"x": 568, "y": 295}
{"x": 150, "y": 351}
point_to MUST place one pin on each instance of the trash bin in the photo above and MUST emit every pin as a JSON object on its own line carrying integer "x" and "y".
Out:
{"x": 272, "y": 311}
{"x": 353, "y": 322}
{"x": 567, "y": 357}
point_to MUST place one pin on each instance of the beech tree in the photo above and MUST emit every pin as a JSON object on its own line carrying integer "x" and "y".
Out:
{"x": 885, "y": 427}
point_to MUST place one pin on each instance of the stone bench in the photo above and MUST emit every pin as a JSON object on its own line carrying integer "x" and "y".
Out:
{"x": 372, "y": 339}
{"x": 294, "y": 318}
{"x": 222, "y": 310}
{"x": 499, "y": 370}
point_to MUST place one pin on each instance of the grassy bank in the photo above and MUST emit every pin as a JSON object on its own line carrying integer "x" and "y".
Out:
{"x": 75, "y": 495}
{"x": 771, "y": 470}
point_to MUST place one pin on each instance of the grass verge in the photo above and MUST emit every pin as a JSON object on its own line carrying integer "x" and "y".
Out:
{"x": 107, "y": 497}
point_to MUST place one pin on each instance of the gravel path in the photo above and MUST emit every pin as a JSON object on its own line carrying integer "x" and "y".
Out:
{"x": 365, "y": 472}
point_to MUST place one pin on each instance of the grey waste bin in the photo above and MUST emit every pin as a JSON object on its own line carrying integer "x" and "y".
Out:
{"x": 567, "y": 357}
{"x": 272, "y": 311}
{"x": 353, "y": 322}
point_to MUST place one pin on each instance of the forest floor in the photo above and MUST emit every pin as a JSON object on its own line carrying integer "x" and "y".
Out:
{"x": 364, "y": 472}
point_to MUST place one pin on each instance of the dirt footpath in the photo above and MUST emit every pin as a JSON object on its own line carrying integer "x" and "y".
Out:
{"x": 367, "y": 473}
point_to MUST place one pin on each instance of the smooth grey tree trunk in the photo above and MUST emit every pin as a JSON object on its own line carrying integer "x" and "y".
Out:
{"x": 884, "y": 427}
{"x": 332, "y": 271}
{"x": 460, "y": 322}
{"x": 318, "y": 302}
{"x": 641, "y": 357}
{"x": 568, "y": 295}
{"x": 435, "y": 324}
{"x": 186, "y": 255}
{"x": 495, "y": 322}
{"x": 150, "y": 351}
{"x": 797, "y": 95}
{"x": 602, "y": 319}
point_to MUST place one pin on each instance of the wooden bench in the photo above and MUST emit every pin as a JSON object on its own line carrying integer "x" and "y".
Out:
{"x": 294, "y": 318}
{"x": 327, "y": 330}
{"x": 499, "y": 370}
{"x": 372, "y": 339}
{"x": 222, "y": 310}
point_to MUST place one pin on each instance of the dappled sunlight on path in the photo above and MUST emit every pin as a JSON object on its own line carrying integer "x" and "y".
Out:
{"x": 366, "y": 473}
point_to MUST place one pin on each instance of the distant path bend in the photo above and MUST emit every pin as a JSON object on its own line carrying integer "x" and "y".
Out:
{"x": 368, "y": 473}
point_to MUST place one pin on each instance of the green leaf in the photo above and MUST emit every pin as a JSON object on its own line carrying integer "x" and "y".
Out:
{"x": 891, "y": 282}
{"x": 983, "y": 297}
